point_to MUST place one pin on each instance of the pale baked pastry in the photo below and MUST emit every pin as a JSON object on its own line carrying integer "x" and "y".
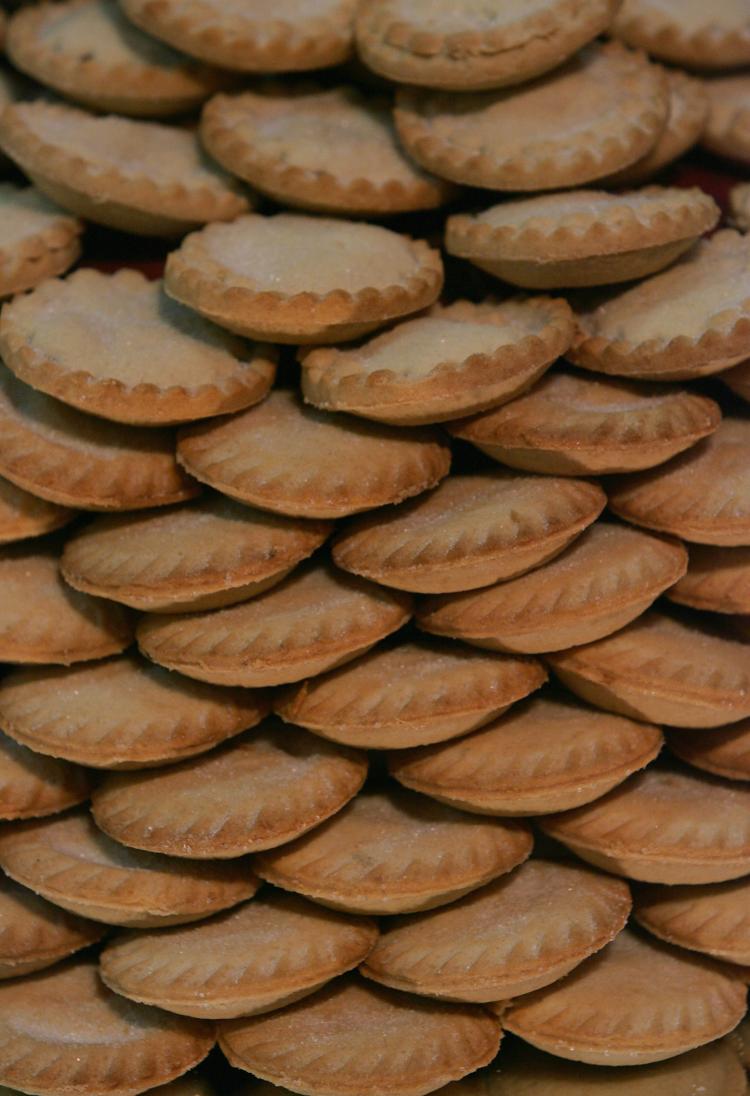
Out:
{"x": 582, "y": 237}
{"x": 727, "y": 131}
{"x": 75, "y": 460}
{"x": 600, "y": 112}
{"x": 523, "y": 1071}
{"x": 332, "y": 150}
{"x": 688, "y": 32}
{"x": 469, "y": 532}
{"x": 23, "y": 515}
{"x": 314, "y": 620}
{"x": 717, "y": 579}
{"x": 140, "y": 177}
{"x": 391, "y": 851}
{"x": 37, "y": 239}
{"x": 663, "y": 826}
{"x": 255, "y": 958}
{"x": 32, "y": 786}
{"x": 44, "y": 621}
{"x": 712, "y": 919}
{"x": 364, "y": 1039}
{"x": 524, "y": 931}
{"x": 637, "y": 1001}
{"x": 701, "y": 495}
{"x": 146, "y": 359}
{"x": 211, "y": 553}
{"x": 35, "y": 934}
{"x": 70, "y": 862}
{"x": 409, "y": 694}
{"x": 291, "y": 278}
{"x": 292, "y": 459}
{"x": 603, "y": 581}
{"x": 454, "y": 360}
{"x": 575, "y": 424}
{"x": 468, "y": 45}
{"x": 662, "y": 668}
{"x": 723, "y": 751}
{"x": 89, "y": 52}
{"x": 256, "y": 792}
{"x": 549, "y": 754}
{"x": 293, "y": 35}
{"x": 63, "y": 1031}
{"x": 121, "y": 713}
{"x": 688, "y": 321}
{"x": 688, "y": 112}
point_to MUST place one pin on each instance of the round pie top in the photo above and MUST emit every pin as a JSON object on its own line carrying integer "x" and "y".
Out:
{"x": 635, "y": 1002}
{"x": 474, "y": 44}
{"x": 667, "y": 659}
{"x": 245, "y": 34}
{"x": 23, "y": 515}
{"x": 470, "y": 531}
{"x": 257, "y": 792}
{"x": 662, "y": 816}
{"x": 703, "y": 495}
{"x": 391, "y": 851}
{"x": 711, "y": 919}
{"x": 145, "y": 164}
{"x": 527, "y": 1072}
{"x": 68, "y": 860}
{"x": 42, "y": 620}
{"x": 35, "y": 934}
{"x": 608, "y": 572}
{"x": 523, "y": 931}
{"x": 147, "y": 359}
{"x": 250, "y": 960}
{"x": 64, "y": 1023}
{"x": 121, "y": 713}
{"x": 578, "y": 423}
{"x": 598, "y": 113}
{"x": 314, "y": 274}
{"x": 367, "y": 1040}
{"x": 210, "y": 553}
{"x": 332, "y": 149}
{"x": 686, "y": 32}
{"x": 545, "y": 755}
{"x": 74, "y": 459}
{"x": 88, "y": 51}
{"x": 312, "y": 621}
{"x": 689, "y": 320}
{"x": 293, "y": 459}
{"x": 407, "y": 695}
{"x": 454, "y": 360}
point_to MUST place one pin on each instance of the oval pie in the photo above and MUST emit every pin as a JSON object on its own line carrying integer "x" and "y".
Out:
{"x": 549, "y": 754}
{"x": 71, "y": 863}
{"x": 393, "y": 852}
{"x": 573, "y": 424}
{"x": 664, "y": 669}
{"x": 470, "y": 531}
{"x": 522, "y": 932}
{"x": 23, "y": 515}
{"x": 411, "y": 694}
{"x": 637, "y": 1001}
{"x": 712, "y": 919}
{"x": 663, "y": 826}
{"x": 37, "y": 239}
{"x": 35, "y": 934}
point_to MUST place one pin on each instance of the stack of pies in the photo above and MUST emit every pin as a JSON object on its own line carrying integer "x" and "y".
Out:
{"x": 374, "y": 548}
